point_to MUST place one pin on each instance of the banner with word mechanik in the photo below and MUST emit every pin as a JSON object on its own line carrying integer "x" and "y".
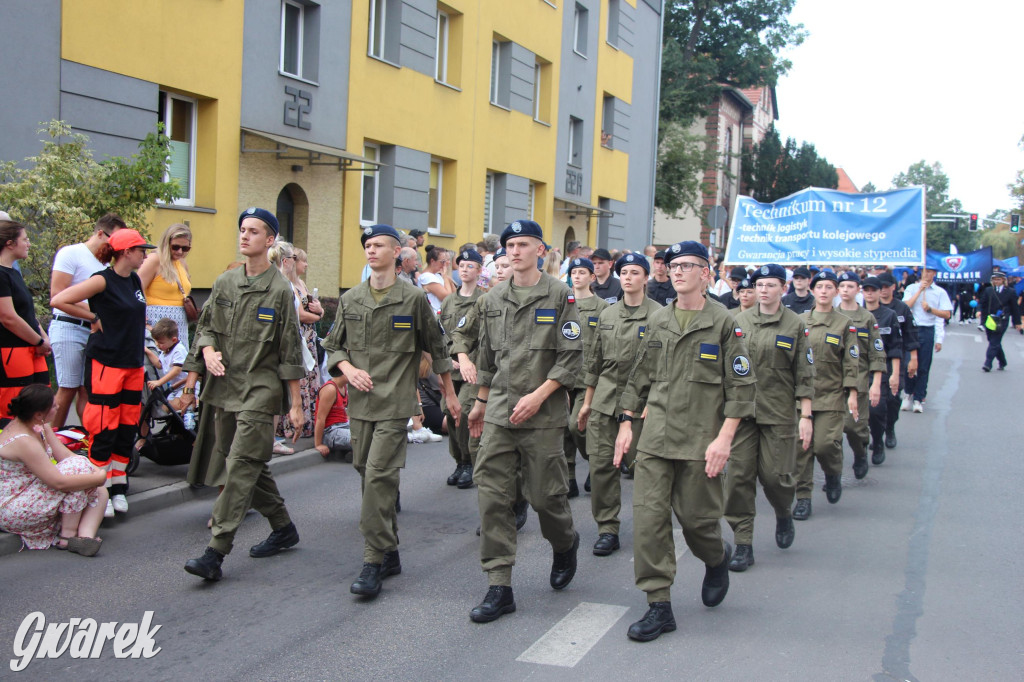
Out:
{"x": 829, "y": 227}
{"x": 969, "y": 267}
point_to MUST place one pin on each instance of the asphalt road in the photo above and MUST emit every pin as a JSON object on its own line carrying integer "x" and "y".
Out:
{"x": 913, "y": 575}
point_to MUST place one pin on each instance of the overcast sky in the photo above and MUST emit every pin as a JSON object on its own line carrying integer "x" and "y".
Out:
{"x": 879, "y": 85}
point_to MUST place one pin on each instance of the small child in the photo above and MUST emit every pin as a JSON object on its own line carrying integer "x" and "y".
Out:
{"x": 331, "y": 431}
{"x": 171, "y": 358}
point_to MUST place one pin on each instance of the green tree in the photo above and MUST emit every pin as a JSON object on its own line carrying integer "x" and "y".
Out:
{"x": 937, "y": 200}
{"x": 868, "y": 188}
{"x": 708, "y": 44}
{"x": 60, "y": 194}
{"x": 772, "y": 170}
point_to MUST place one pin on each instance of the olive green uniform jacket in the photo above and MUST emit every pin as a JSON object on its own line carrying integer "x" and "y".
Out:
{"x": 620, "y": 333}
{"x": 454, "y": 311}
{"x": 386, "y": 340}
{"x": 691, "y": 381}
{"x": 869, "y": 342}
{"x": 778, "y": 348}
{"x": 525, "y": 343}
{"x": 836, "y": 357}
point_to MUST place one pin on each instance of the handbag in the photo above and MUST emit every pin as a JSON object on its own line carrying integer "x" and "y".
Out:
{"x": 189, "y": 304}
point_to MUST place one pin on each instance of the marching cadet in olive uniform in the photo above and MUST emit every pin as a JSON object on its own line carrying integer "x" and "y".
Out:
{"x": 892, "y": 342}
{"x": 465, "y": 342}
{"x": 908, "y": 332}
{"x": 621, "y": 330}
{"x": 695, "y": 377}
{"x": 764, "y": 447}
{"x": 530, "y": 354}
{"x": 454, "y": 309}
{"x": 836, "y": 357}
{"x": 869, "y": 374}
{"x": 659, "y": 287}
{"x": 247, "y": 348}
{"x": 588, "y": 307}
{"x": 382, "y": 328}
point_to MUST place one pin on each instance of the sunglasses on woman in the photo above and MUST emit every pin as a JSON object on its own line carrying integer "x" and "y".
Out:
{"x": 178, "y": 247}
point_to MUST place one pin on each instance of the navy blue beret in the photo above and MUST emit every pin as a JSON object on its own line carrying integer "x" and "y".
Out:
{"x": 745, "y": 283}
{"x": 500, "y": 253}
{"x": 769, "y": 270}
{"x": 632, "y": 259}
{"x": 581, "y": 263}
{"x": 378, "y": 231}
{"x": 263, "y": 214}
{"x": 849, "y": 276}
{"x": 687, "y": 248}
{"x": 471, "y": 255}
{"x": 824, "y": 276}
{"x": 522, "y": 228}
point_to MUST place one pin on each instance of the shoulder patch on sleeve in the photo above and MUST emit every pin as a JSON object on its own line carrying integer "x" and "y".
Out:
{"x": 878, "y": 344}
{"x": 571, "y": 330}
{"x": 741, "y": 366}
{"x": 854, "y": 353}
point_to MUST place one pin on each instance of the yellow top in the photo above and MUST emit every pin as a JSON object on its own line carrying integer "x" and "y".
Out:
{"x": 162, "y": 292}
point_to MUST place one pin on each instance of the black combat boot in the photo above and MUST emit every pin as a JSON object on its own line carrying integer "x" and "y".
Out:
{"x": 860, "y": 465}
{"x": 606, "y": 544}
{"x": 563, "y": 565}
{"x": 574, "y": 488}
{"x": 657, "y": 620}
{"x": 454, "y": 478}
{"x": 716, "y": 580}
{"x": 392, "y": 564}
{"x": 785, "y": 532}
{"x": 742, "y": 559}
{"x": 207, "y": 566}
{"x": 877, "y": 454}
{"x": 833, "y": 487}
{"x": 520, "y": 509}
{"x": 802, "y": 510}
{"x": 281, "y": 539}
{"x": 466, "y": 477}
{"x": 368, "y": 582}
{"x": 498, "y": 602}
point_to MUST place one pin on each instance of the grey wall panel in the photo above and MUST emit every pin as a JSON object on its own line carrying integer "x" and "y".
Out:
{"x": 654, "y": 5}
{"x": 521, "y": 82}
{"x": 386, "y": 185}
{"x": 29, "y": 29}
{"x": 263, "y": 87}
{"x": 517, "y": 197}
{"x": 98, "y": 114}
{"x": 577, "y": 94}
{"x": 92, "y": 82}
{"x": 622, "y": 125}
{"x": 643, "y": 123}
{"x": 619, "y": 236}
{"x": 627, "y": 28}
{"x": 419, "y": 35}
{"x": 411, "y": 188}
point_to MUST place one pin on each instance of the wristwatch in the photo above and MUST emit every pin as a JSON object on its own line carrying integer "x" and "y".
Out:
{"x": 40, "y": 341}
{"x": 188, "y": 391}
{"x": 623, "y": 417}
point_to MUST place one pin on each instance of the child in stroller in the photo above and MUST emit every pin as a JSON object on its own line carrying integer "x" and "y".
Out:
{"x": 164, "y": 436}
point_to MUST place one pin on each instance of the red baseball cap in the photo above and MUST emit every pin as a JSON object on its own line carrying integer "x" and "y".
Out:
{"x": 126, "y": 238}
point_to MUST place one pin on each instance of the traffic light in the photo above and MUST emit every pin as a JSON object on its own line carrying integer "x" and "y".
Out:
{"x": 1014, "y": 222}
{"x": 973, "y": 226}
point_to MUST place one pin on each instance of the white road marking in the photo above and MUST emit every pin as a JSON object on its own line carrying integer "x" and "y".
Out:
{"x": 679, "y": 541}
{"x": 571, "y": 638}
{"x": 977, "y": 339}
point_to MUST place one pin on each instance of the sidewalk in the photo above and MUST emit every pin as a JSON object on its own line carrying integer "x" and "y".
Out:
{"x": 155, "y": 487}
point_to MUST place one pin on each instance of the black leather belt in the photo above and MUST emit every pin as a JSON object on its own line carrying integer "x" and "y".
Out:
{"x": 73, "y": 320}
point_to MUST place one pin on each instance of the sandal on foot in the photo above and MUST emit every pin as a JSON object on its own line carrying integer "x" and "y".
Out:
{"x": 282, "y": 449}
{"x": 84, "y": 546}
{"x": 56, "y": 543}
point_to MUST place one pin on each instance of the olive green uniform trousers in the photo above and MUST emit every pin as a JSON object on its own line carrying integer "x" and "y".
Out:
{"x": 663, "y": 487}
{"x": 574, "y": 439}
{"x": 538, "y": 452}
{"x": 248, "y": 484}
{"x": 605, "y": 478}
{"x": 765, "y": 453}
{"x": 378, "y": 454}
{"x": 827, "y": 448}
{"x": 858, "y": 433}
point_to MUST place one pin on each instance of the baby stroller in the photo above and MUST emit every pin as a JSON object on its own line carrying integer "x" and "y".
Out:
{"x": 169, "y": 442}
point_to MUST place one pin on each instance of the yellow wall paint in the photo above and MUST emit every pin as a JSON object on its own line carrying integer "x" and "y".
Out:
{"x": 193, "y": 47}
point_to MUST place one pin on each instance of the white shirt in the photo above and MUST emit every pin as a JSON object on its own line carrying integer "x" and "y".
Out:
{"x": 169, "y": 360}
{"x": 76, "y": 260}
{"x": 431, "y": 278}
{"x": 936, "y": 297}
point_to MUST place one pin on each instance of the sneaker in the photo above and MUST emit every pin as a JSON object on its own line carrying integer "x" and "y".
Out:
{"x": 918, "y": 406}
{"x": 120, "y": 503}
{"x": 109, "y": 513}
{"x": 424, "y": 435}
{"x": 905, "y": 407}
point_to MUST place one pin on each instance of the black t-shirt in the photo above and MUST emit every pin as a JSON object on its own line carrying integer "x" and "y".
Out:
{"x": 11, "y": 284}
{"x": 122, "y": 310}
{"x": 610, "y": 291}
{"x": 798, "y": 304}
{"x": 662, "y": 292}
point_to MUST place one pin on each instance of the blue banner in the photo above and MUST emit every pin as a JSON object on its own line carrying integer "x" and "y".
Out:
{"x": 829, "y": 227}
{"x": 954, "y": 268}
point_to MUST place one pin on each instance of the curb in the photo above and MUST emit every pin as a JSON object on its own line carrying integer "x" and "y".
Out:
{"x": 174, "y": 494}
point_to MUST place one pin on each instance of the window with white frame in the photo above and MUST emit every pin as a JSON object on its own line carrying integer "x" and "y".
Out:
{"x": 613, "y": 22}
{"x": 575, "y": 142}
{"x": 292, "y": 16}
{"x": 178, "y": 114}
{"x": 368, "y": 209}
{"x": 488, "y": 212}
{"x": 441, "y": 50}
{"x": 434, "y": 196}
{"x": 495, "y": 71}
{"x": 581, "y": 17}
{"x": 378, "y": 26}
{"x": 537, "y": 91}
{"x": 531, "y": 199}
